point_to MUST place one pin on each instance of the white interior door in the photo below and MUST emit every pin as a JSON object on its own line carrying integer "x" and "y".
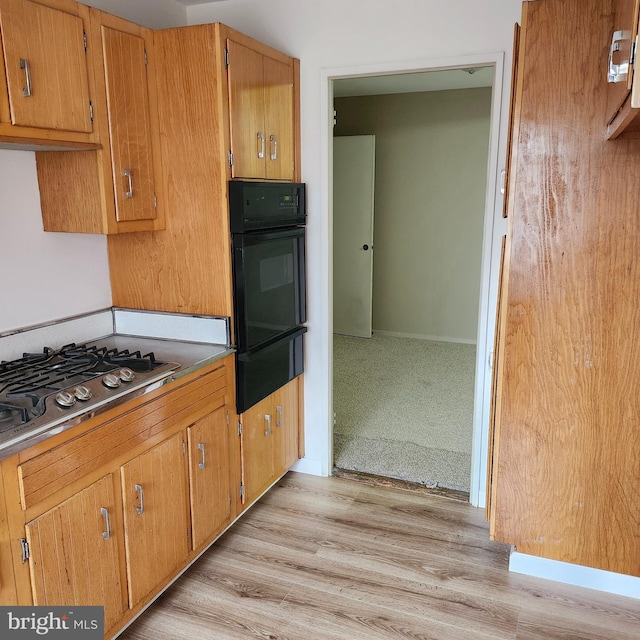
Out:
{"x": 353, "y": 186}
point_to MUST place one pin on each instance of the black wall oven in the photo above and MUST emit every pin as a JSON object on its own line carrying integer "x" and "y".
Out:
{"x": 269, "y": 285}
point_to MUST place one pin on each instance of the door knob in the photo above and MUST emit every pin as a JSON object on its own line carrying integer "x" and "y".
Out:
{"x": 365, "y": 247}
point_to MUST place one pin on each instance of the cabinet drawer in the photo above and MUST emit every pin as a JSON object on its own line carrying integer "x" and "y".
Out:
{"x": 117, "y": 440}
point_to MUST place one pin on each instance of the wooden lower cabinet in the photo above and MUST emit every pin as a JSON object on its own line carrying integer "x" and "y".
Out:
{"x": 156, "y": 521}
{"x": 210, "y": 476}
{"x": 74, "y": 553}
{"x": 111, "y": 515}
{"x": 269, "y": 440}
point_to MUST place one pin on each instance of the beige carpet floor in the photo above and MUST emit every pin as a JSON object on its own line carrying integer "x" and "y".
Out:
{"x": 404, "y": 409}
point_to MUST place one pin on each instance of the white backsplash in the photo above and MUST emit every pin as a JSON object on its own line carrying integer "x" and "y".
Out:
{"x": 93, "y": 326}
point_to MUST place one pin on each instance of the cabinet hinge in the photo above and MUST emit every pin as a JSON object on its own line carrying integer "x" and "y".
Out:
{"x": 90, "y": 110}
{"x": 239, "y": 428}
{"x": 226, "y": 58}
{"x": 146, "y": 60}
{"x": 84, "y": 40}
{"x": 241, "y": 491}
{"x": 24, "y": 545}
{"x": 230, "y": 159}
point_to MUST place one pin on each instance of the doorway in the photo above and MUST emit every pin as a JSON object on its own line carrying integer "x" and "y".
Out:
{"x": 483, "y": 237}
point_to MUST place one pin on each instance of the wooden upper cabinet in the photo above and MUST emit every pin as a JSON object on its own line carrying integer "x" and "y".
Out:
{"x": 45, "y": 84}
{"x": 74, "y": 553}
{"x": 125, "y": 72}
{"x": 113, "y": 189}
{"x": 261, "y": 113}
{"x": 622, "y": 110}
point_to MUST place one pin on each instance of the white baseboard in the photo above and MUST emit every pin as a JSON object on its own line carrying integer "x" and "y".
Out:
{"x": 310, "y": 467}
{"x": 574, "y": 574}
{"x": 420, "y": 336}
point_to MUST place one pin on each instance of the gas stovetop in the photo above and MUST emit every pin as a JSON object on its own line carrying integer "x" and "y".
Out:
{"x": 43, "y": 390}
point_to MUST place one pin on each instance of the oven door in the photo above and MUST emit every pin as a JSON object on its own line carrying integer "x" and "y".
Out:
{"x": 269, "y": 285}
{"x": 262, "y": 371}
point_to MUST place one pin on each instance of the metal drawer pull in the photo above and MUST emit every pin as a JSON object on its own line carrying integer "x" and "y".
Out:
{"x": 279, "y": 418}
{"x": 274, "y": 141}
{"x": 24, "y": 64}
{"x": 267, "y": 418}
{"x": 140, "y": 509}
{"x": 106, "y": 534}
{"x": 261, "y": 141}
{"x": 201, "y": 447}
{"x": 127, "y": 174}
{"x": 618, "y": 72}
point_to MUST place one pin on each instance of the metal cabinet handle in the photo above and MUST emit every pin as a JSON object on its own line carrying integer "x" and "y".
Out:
{"x": 274, "y": 145}
{"x": 279, "y": 417}
{"x": 106, "y": 534}
{"x": 127, "y": 174}
{"x": 267, "y": 419}
{"x": 618, "y": 72}
{"x": 261, "y": 145}
{"x": 201, "y": 447}
{"x": 24, "y": 64}
{"x": 140, "y": 508}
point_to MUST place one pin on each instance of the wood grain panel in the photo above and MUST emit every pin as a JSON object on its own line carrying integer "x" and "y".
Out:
{"x": 210, "y": 488}
{"x": 279, "y": 119}
{"x": 70, "y": 561}
{"x": 249, "y": 137}
{"x": 186, "y": 268}
{"x": 568, "y": 462}
{"x": 45, "y": 474}
{"x": 286, "y": 427}
{"x": 51, "y": 41}
{"x": 71, "y": 197}
{"x": 129, "y": 124}
{"x": 157, "y": 538}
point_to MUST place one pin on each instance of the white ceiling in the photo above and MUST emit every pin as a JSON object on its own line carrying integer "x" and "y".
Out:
{"x": 414, "y": 82}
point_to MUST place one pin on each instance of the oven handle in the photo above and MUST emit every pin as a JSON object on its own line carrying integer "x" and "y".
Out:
{"x": 245, "y": 356}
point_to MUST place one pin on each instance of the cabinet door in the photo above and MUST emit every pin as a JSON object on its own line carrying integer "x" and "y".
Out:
{"x": 74, "y": 554}
{"x": 257, "y": 445}
{"x": 246, "y": 112}
{"x": 46, "y": 66}
{"x": 154, "y": 493}
{"x": 209, "y": 476}
{"x": 286, "y": 427}
{"x": 278, "y": 87}
{"x": 125, "y": 72}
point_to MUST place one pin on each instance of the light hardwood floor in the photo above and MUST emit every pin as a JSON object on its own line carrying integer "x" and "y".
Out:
{"x": 334, "y": 558}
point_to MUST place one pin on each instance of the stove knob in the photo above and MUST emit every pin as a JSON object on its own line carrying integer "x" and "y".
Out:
{"x": 82, "y": 393}
{"x": 126, "y": 375}
{"x": 110, "y": 380}
{"x": 65, "y": 399}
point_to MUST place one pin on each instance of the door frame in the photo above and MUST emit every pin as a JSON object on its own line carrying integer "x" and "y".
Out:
{"x": 493, "y": 229}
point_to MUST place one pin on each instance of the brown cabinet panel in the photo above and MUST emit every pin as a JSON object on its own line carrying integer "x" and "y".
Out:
{"x": 154, "y": 495}
{"x": 46, "y": 66}
{"x": 74, "y": 553}
{"x": 567, "y": 443}
{"x": 246, "y": 112}
{"x": 125, "y": 73}
{"x": 210, "y": 476}
{"x": 278, "y": 82}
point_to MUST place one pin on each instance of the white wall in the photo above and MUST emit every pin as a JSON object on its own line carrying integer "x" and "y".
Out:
{"x": 345, "y": 34}
{"x": 431, "y": 178}
{"x": 37, "y": 267}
